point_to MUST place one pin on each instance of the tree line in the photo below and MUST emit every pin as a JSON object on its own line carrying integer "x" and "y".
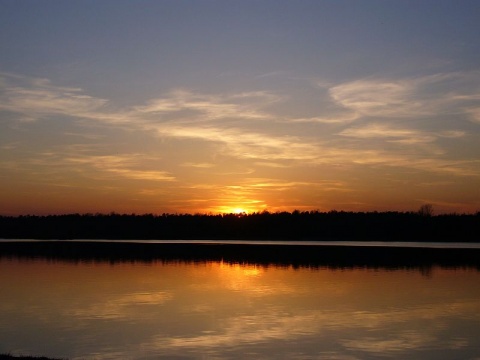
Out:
{"x": 296, "y": 225}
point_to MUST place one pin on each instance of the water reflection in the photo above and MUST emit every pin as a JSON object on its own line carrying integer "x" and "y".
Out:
{"x": 218, "y": 309}
{"x": 296, "y": 256}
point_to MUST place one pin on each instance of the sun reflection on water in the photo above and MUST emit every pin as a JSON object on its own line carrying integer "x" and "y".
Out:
{"x": 239, "y": 276}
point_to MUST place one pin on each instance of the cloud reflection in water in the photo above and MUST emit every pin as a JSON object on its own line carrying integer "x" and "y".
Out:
{"x": 223, "y": 310}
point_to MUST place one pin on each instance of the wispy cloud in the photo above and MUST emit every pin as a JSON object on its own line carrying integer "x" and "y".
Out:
{"x": 246, "y": 144}
{"x": 211, "y": 107}
{"x": 376, "y": 98}
{"x": 334, "y": 119}
{"x": 474, "y": 114}
{"x": 209, "y": 115}
{"x": 452, "y": 134}
{"x": 389, "y": 133}
{"x": 198, "y": 165}
{"x": 122, "y": 165}
{"x": 281, "y": 185}
{"x": 38, "y": 98}
{"x": 408, "y": 98}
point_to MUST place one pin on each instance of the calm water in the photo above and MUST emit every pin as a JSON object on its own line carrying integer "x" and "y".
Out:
{"x": 219, "y": 310}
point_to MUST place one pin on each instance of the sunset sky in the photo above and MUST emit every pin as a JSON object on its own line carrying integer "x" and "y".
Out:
{"x": 221, "y": 106}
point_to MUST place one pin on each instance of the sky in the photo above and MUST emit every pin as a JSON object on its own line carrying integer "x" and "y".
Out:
{"x": 228, "y": 106}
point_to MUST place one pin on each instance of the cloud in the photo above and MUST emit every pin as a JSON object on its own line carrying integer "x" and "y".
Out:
{"x": 332, "y": 119}
{"x": 452, "y": 134}
{"x": 414, "y": 161}
{"x": 271, "y": 164}
{"x": 35, "y": 98}
{"x": 245, "y": 144}
{"x": 198, "y": 165}
{"x": 280, "y": 185}
{"x": 242, "y": 144}
{"x": 398, "y": 135}
{"x": 38, "y": 98}
{"x": 211, "y": 107}
{"x": 474, "y": 114}
{"x": 389, "y": 133}
{"x": 410, "y": 97}
{"x": 374, "y": 97}
{"x": 144, "y": 175}
{"x": 122, "y": 165}
{"x": 240, "y": 126}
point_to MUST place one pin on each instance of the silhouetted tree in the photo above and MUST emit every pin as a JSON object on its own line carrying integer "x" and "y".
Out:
{"x": 426, "y": 210}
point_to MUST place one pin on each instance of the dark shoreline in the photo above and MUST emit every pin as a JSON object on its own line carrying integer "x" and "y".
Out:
{"x": 330, "y": 256}
{"x": 23, "y": 357}
{"x": 308, "y": 225}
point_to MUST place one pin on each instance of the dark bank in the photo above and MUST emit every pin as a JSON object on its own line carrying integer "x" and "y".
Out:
{"x": 308, "y": 225}
{"x": 330, "y": 256}
{"x": 19, "y": 357}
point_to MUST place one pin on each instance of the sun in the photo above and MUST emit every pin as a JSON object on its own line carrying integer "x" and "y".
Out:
{"x": 235, "y": 209}
{"x": 239, "y": 211}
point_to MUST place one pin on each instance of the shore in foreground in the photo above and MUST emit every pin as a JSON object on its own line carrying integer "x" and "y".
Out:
{"x": 20, "y": 357}
{"x": 333, "y": 256}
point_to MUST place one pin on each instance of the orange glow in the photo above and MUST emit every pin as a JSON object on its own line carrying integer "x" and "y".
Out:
{"x": 238, "y": 210}
{"x": 239, "y": 277}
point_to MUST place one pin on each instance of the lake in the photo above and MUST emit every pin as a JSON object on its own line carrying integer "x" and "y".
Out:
{"x": 225, "y": 307}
